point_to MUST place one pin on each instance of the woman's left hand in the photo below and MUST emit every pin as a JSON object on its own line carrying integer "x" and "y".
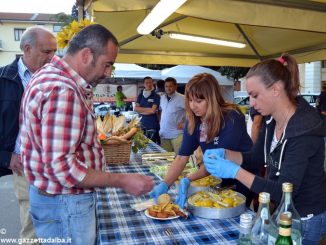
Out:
{"x": 183, "y": 191}
{"x": 220, "y": 167}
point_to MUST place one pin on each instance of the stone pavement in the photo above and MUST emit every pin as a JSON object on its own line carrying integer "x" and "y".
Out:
{"x": 9, "y": 209}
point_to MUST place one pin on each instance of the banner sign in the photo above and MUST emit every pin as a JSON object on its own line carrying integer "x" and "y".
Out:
{"x": 106, "y": 92}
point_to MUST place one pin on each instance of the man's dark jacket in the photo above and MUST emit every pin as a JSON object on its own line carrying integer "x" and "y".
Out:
{"x": 11, "y": 92}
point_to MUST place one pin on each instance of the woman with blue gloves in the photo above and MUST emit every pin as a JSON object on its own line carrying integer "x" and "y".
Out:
{"x": 211, "y": 123}
{"x": 291, "y": 145}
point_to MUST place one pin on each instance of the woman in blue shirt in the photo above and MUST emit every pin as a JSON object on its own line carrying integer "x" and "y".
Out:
{"x": 211, "y": 123}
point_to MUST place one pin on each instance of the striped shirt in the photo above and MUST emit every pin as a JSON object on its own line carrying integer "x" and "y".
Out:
{"x": 58, "y": 132}
{"x": 25, "y": 75}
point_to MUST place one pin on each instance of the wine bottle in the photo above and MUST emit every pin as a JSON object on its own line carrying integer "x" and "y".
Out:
{"x": 260, "y": 228}
{"x": 286, "y": 205}
{"x": 245, "y": 229}
{"x": 284, "y": 233}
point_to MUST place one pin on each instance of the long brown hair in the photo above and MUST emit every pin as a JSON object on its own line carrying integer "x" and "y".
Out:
{"x": 205, "y": 86}
{"x": 284, "y": 69}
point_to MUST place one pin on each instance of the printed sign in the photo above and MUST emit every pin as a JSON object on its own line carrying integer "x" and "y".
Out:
{"x": 106, "y": 92}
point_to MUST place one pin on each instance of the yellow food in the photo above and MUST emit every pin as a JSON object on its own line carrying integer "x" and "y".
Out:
{"x": 206, "y": 181}
{"x": 163, "y": 199}
{"x": 229, "y": 201}
{"x": 226, "y": 199}
{"x": 204, "y": 203}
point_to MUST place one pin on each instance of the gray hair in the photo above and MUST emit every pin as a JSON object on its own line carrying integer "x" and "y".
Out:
{"x": 95, "y": 37}
{"x": 30, "y": 35}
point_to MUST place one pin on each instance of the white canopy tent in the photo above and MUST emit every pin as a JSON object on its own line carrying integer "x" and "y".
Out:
{"x": 183, "y": 73}
{"x": 123, "y": 70}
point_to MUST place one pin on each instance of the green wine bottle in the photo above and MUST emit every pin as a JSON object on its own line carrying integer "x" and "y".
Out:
{"x": 284, "y": 232}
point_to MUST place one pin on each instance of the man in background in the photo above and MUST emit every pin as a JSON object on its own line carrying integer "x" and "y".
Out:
{"x": 119, "y": 99}
{"x": 38, "y": 45}
{"x": 62, "y": 157}
{"x": 148, "y": 102}
{"x": 172, "y": 107}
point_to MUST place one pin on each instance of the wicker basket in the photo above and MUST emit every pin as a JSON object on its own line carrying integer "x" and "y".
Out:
{"x": 117, "y": 153}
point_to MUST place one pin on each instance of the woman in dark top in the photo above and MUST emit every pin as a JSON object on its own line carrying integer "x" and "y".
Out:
{"x": 211, "y": 123}
{"x": 290, "y": 144}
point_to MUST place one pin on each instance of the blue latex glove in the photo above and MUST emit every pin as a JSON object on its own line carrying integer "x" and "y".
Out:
{"x": 219, "y": 152}
{"x": 220, "y": 167}
{"x": 183, "y": 191}
{"x": 159, "y": 189}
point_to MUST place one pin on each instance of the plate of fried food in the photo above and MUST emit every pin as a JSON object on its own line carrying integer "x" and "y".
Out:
{"x": 165, "y": 210}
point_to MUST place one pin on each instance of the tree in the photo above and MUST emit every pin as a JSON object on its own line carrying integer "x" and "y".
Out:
{"x": 233, "y": 72}
{"x": 66, "y": 19}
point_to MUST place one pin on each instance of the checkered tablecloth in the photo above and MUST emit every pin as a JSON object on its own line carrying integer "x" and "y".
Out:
{"x": 119, "y": 224}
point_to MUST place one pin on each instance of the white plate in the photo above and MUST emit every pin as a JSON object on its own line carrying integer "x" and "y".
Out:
{"x": 169, "y": 218}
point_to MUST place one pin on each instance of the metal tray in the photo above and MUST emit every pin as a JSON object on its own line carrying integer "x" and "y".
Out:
{"x": 218, "y": 213}
{"x": 158, "y": 158}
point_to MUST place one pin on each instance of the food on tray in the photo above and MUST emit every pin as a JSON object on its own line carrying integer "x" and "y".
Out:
{"x": 164, "y": 199}
{"x": 161, "y": 170}
{"x": 206, "y": 181}
{"x": 166, "y": 211}
{"x": 225, "y": 199}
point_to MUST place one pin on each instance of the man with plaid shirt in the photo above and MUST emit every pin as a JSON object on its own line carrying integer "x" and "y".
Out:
{"x": 62, "y": 156}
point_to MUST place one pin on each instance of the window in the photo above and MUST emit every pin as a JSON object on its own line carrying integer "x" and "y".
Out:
{"x": 57, "y": 28}
{"x": 18, "y": 33}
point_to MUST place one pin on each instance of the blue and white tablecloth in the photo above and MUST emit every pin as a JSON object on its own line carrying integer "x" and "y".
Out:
{"x": 118, "y": 223}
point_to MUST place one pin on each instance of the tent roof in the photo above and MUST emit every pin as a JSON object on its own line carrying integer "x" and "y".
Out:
{"x": 134, "y": 71}
{"x": 269, "y": 28}
{"x": 183, "y": 73}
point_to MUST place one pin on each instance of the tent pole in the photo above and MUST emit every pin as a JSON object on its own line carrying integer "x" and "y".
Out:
{"x": 248, "y": 41}
{"x": 130, "y": 39}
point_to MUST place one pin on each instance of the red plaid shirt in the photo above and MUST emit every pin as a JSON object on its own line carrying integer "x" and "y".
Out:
{"x": 58, "y": 132}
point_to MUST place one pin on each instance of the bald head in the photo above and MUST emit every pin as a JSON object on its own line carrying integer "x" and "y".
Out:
{"x": 38, "y": 45}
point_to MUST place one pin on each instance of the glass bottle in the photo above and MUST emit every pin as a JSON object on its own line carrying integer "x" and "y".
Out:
{"x": 245, "y": 229}
{"x": 286, "y": 205}
{"x": 284, "y": 232}
{"x": 260, "y": 228}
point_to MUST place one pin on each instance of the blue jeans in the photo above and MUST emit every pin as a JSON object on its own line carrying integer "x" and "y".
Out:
{"x": 314, "y": 229}
{"x": 69, "y": 217}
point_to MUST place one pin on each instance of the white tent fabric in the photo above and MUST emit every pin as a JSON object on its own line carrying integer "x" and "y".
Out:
{"x": 123, "y": 70}
{"x": 183, "y": 73}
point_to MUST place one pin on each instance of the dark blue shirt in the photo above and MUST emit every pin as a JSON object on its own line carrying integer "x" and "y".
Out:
{"x": 149, "y": 121}
{"x": 233, "y": 136}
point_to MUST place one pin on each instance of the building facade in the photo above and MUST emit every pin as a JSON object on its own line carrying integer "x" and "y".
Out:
{"x": 12, "y": 26}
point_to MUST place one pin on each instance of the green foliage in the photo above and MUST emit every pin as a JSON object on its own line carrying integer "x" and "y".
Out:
{"x": 139, "y": 141}
{"x": 233, "y": 72}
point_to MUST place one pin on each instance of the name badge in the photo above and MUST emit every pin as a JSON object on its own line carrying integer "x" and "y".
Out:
{"x": 216, "y": 140}
{"x": 150, "y": 100}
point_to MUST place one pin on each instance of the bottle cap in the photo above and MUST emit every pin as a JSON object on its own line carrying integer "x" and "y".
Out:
{"x": 264, "y": 197}
{"x": 285, "y": 218}
{"x": 287, "y": 187}
{"x": 246, "y": 220}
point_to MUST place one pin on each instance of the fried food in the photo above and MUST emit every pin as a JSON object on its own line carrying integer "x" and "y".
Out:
{"x": 166, "y": 211}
